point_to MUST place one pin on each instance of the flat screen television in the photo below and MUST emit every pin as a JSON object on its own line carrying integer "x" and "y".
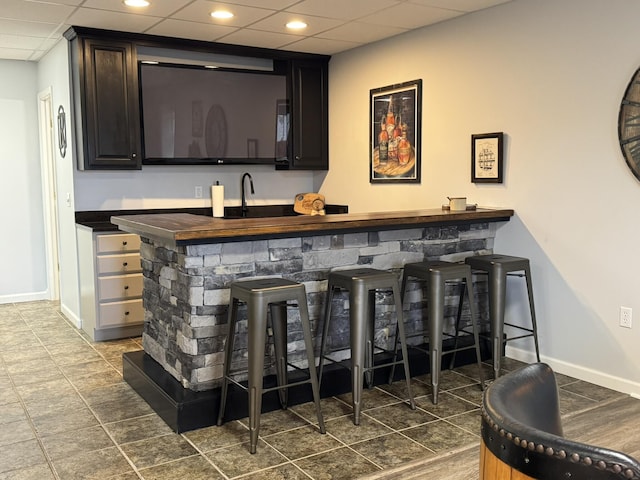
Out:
{"x": 198, "y": 115}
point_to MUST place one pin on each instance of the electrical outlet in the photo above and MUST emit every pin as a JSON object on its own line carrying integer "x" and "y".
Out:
{"x": 625, "y": 317}
{"x": 198, "y": 192}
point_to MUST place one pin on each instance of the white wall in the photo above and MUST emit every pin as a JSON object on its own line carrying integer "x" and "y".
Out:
{"x": 551, "y": 75}
{"x": 22, "y": 252}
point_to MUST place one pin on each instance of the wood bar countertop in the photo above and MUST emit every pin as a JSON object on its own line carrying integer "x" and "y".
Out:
{"x": 186, "y": 229}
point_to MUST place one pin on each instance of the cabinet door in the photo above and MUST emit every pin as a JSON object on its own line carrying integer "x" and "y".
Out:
{"x": 309, "y": 115}
{"x": 111, "y": 130}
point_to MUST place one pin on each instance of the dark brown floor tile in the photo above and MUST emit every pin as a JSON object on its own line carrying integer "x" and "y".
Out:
{"x": 288, "y": 471}
{"x": 440, "y": 436}
{"x": 8, "y": 395}
{"x": 157, "y": 450}
{"x": 37, "y": 472}
{"x": 593, "y": 392}
{"x": 391, "y": 450}
{"x": 191, "y": 468}
{"x": 447, "y": 406}
{"x": 15, "y": 432}
{"x": 470, "y": 421}
{"x": 99, "y": 464}
{"x": 137, "y": 429}
{"x": 340, "y": 464}
{"x": 115, "y": 411}
{"x": 471, "y": 371}
{"x": 11, "y": 412}
{"x": 65, "y": 444}
{"x": 344, "y": 430}
{"x": 211, "y": 438}
{"x": 571, "y": 402}
{"x": 399, "y": 389}
{"x": 302, "y": 442}
{"x": 277, "y": 421}
{"x": 470, "y": 393}
{"x": 331, "y": 407}
{"x": 63, "y": 421}
{"x": 21, "y": 455}
{"x": 371, "y": 398}
{"x": 236, "y": 459}
{"x": 399, "y": 416}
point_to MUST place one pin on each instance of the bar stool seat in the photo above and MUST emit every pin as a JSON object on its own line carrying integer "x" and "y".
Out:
{"x": 436, "y": 274}
{"x": 498, "y": 267}
{"x": 263, "y": 296}
{"x": 362, "y": 284}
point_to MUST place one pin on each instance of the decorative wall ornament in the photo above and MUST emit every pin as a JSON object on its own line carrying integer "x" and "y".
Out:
{"x": 486, "y": 157}
{"x": 62, "y": 131}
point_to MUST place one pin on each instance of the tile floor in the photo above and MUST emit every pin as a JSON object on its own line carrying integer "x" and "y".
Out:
{"x": 66, "y": 413}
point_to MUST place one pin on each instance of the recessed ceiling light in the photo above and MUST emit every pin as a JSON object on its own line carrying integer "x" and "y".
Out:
{"x": 136, "y": 3}
{"x": 296, "y": 25}
{"x": 222, "y": 14}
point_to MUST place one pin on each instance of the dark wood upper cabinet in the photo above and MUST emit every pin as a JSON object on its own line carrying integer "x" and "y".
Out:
{"x": 107, "y": 116}
{"x": 106, "y": 107}
{"x": 309, "y": 143}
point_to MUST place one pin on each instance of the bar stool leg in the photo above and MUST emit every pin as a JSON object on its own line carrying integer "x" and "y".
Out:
{"x": 463, "y": 289}
{"x": 325, "y": 330}
{"x": 257, "y": 314}
{"x": 527, "y": 274}
{"x": 308, "y": 342}
{"x": 474, "y": 323}
{"x": 497, "y": 292}
{"x": 228, "y": 351}
{"x": 403, "y": 290}
{"x": 435, "y": 287}
{"x": 370, "y": 342}
{"x": 358, "y": 318}
{"x": 403, "y": 344}
{"x": 279, "y": 325}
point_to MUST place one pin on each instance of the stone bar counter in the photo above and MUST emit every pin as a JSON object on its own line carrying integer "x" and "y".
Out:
{"x": 189, "y": 261}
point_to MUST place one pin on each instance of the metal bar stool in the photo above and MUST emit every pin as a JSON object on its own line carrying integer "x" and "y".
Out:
{"x": 362, "y": 284}
{"x": 498, "y": 267}
{"x": 436, "y": 274}
{"x": 263, "y": 296}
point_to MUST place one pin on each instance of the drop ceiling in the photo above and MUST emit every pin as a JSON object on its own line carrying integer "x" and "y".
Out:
{"x": 29, "y": 28}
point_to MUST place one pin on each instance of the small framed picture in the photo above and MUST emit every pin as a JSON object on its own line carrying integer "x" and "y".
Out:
{"x": 487, "y": 157}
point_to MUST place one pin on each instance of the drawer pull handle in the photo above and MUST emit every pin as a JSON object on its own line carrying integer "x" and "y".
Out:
{"x": 124, "y": 264}
{"x": 126, "y": 287}
{"x": 124, "y": 242}
{"x": 126, "y": 313}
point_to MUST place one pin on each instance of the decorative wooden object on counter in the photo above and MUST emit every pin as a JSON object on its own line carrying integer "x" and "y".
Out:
{"x": 110, "y": 284}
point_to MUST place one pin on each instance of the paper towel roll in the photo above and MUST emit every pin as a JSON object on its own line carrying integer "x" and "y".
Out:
{"x": 217, "y": 200}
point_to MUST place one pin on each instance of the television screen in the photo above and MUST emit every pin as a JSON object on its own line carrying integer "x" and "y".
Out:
{"x": 198, "y": 115}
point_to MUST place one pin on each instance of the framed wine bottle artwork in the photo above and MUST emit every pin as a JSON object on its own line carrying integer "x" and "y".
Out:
{"x": 395, "y": 133}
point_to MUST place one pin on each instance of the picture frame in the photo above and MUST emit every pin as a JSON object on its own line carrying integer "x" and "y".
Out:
{"x": 487, "y": 157}
{"x": 395, "y": 133}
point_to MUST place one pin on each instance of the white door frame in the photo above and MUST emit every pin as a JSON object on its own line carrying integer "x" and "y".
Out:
{"x": 49, "y": 191}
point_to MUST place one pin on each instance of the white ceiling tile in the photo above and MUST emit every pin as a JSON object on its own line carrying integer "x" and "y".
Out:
{"x": 61, "y": 2}
{"x": 200, "y": 11}
{"x": 342, "y": 9}
{"x": 30, "y": 29}
{"x": 194, "y": 31}
{"x": 410, "y": 16}
{"x": 268, "y": 4}
{"x": 276, "y": 23}
{"x": 20, "y": 42}
{"x": 15, "y": 54}
{"x": 34, "y": 11}
{"x": 361, "y": 32}
{"x": 157, "y": 8}
{"x": 460, "y": 5}
{"x": 320, "y": 45}
{"x": 258, "y": 38}
{"x": 128, "y": 22}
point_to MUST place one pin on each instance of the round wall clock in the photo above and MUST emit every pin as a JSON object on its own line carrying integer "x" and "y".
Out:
{"x": 629, "y": 124}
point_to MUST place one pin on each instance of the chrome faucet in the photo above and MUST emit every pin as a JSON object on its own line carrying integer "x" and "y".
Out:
{"x": 242, "y": 192}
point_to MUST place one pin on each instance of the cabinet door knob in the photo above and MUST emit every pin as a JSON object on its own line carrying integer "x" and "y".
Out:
{"x": 133, "y": 155}
{"x": 124, "y": 264}
{"x": 124, "y": 242}
{"x": 126, "y": 287}
{"x": 126, "y": 313}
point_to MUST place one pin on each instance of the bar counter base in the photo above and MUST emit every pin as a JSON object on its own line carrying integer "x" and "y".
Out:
{"x": 184, "y": 410}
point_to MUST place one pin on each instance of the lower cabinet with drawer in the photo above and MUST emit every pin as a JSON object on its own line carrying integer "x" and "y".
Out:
{"x": 110, "y": 284}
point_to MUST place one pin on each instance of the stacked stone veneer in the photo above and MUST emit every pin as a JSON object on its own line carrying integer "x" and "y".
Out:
{"x": 186, "y": 290}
